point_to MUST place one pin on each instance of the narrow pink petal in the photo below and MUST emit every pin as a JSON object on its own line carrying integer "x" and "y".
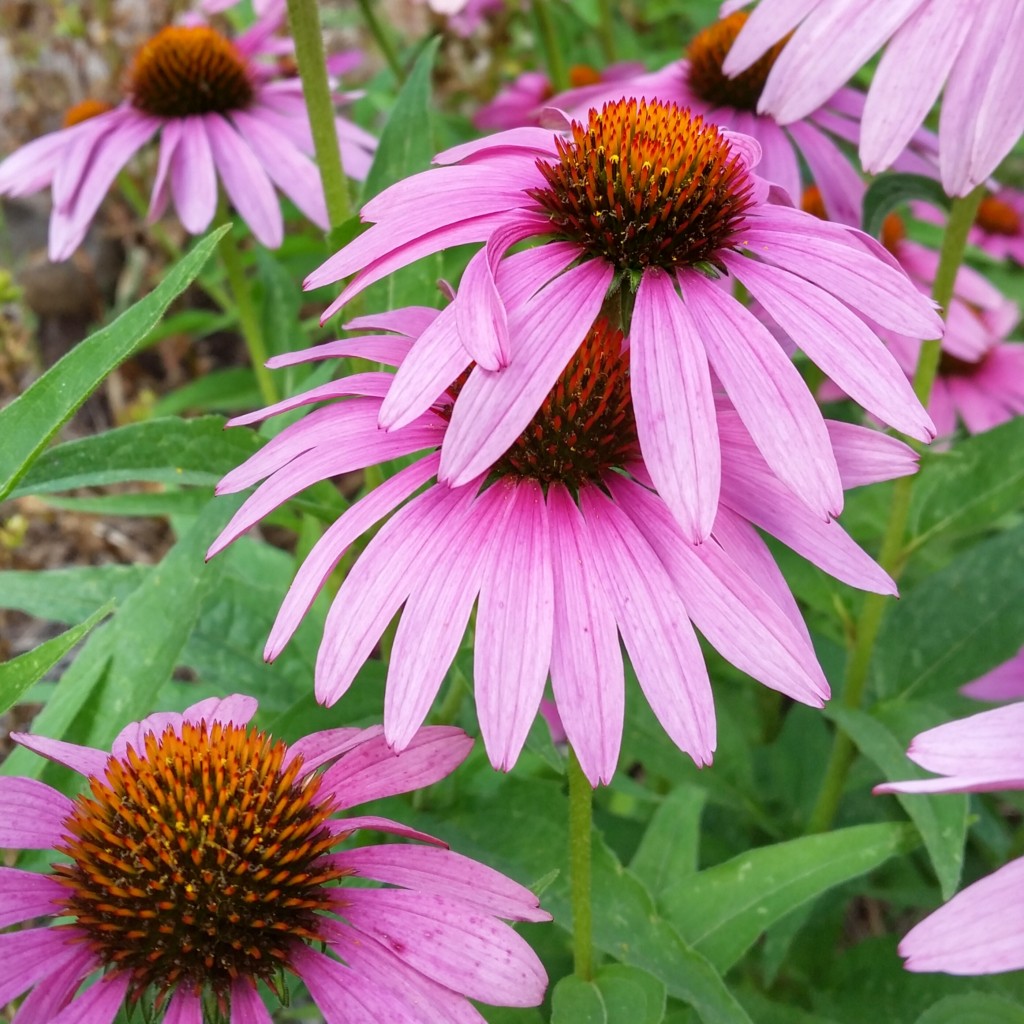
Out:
{"x": 493, "y": 408}
{"x": 317, "y": 748}
{"x": 435, "y": 617}
{"x": 428, "y": 869}
{"x": 840, "y": 343}
{"x": 514, "y": 624}
{"x": 540, "y": 141}
{"x": 586, "y": 660}
{"x": 728, "y": 607}
{"x": 380, "y": 348}
{"x": 480, "y": 315}
{"x": 344, "y": 827}
{"x": 409, "y": 320}
{"x": 979, "y": 783}
{"x": 866, "y": 456}
{"x": 287, "y": 167}
{"x": 32, "y": 815}
{"x": 436, "y": 359}
{"x": 674, "y": 405}
{"x": 769, "y": 394}
{"x": 390, "y": 567}
{"x": 984, "y": 744}
{"x": 86, "y": 761}
{"x": 466, "y": 951}
{"x": 236, "y": 709}
{"x": 245, "y": 181}
{"x": 778, "y": 163}
{"x": 1005, "y": 682}
{"x": 30, "y": 955}
{"x": 70, "y": 173}
{"x": 161, "y": 193}
{"x": 842, "y": 188}
{"x": 979, "y": 931}
{"x": 909, "y": 78}
{"x": 134, "y": 734}
{"x": 521, "y": 275}
{"x": 53, "y": 993}
{"x": 331, "y": 547}
{"x": 32, "y": 167}
{"x": 767, "y": 24}
{"x": 27, "y": 894}
{"x": 97, "y": 1005}
{"x": 187, "y": 1008}
{"x": 373, "y": 770}
{"x": 194, "y": 176}
{"x": 654, "y": 625}
{"x": 365, "y": 385}
{"x": 246, "y": 1006}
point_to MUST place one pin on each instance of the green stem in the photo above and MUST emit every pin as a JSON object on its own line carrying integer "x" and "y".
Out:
{"x": 581, "y": 811}
{"x": 893, "y": 554}
{"x": 607, "y": 32}
{"x": 248, "y": 321}
{"x": 304, "y": 21}
{"x": 552, "y": 51}
{"x": 383, "y": 40}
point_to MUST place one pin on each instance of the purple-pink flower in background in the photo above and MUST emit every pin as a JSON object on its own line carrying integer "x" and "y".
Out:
{"x": 980, "y": 930}
{"x": 1004, "y": 682}
{"x": 203, "y": 859}
{"x": 562, "y": 544}
{"x": 969, "y": 51}
{"x": 651, "y": 213}
{"x": 998, "y": 227}
{"x": 222, "y": 113}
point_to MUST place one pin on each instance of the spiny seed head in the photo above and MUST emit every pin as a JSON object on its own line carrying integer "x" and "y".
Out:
{"x": 586, "y": 424}
{"x": 707, "y": 53}
{"x": 645, "y": 185}
{"x": 83, "y": 111}
{"x": 997, "y": 217}
{"x": 189, "y": 69}
{"x": 198, "y": 860}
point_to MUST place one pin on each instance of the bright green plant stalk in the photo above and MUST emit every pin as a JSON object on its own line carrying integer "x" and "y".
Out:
{"x": 893, "y": 553}
{"x": 552, "y": 51}
{"x": 248, "y": 321}
{"x": 581, "y": 813}
{"x": 304, "y": 21}
{"x": 383, "y": 40}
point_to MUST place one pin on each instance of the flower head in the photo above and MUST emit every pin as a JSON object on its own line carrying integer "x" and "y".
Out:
{"x": 203, "y": 860}
{"x": 220, "y": 111}
{"x": 980, "y": 930}
{"x": 968, "y": 50}
{"x": 561, "y": 543}
{"x": 647, "y": 211}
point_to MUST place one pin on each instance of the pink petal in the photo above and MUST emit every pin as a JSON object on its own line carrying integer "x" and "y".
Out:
{"x": 318, "y": 748}
{"x": 30, "y": 955}
{"x": 186, "y": 1008}
{"x": 86, "y": 761}
{"x": 236, "y": 709}
{"x": 866, "y": 456}
{"x": 161, "y": 194}
{"x": 194, "y": 176}
{"x": 769, "y": 394}
{"x": 767, "y": 24}
{"x": 380, "y": 348}
{"x": 674, "y": 405}
{"x": 842, "y": 188}
{"x": 26, "y": 894}
{"x": 409, "y": 320}
{"x": 984, "y": 744}
{"x": 365, "y": 385}
{"x": 246, "y": 1005}
{"x": 98, "y": 1004}
{"x": 49, "y": 997}
{"x": 1005, "y": 682}
{"x": 514, "y": 625}
{"x": 32, "y": 815}
{"x": 344, "y": 827}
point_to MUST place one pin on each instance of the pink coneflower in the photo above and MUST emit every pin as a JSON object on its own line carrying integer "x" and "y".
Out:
{"x": 1004, "y": 682}
{"x": 968, "y": 49}
{"x": 563, "y": 545}
{"x": 998, "y": 227}
{"x": 220, "y": 111}
{"x": 653, "y": 210}
{"x": 203, "y": 860}
{"x": 980, "y": 930}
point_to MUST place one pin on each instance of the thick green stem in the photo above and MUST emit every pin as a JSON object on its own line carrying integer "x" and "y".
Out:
{"x": 607, "y": 31}
{"x": 304, "y": 20}
{"x": 382, "y": 38}
{"x": 248, "y": 321}
{"x": 581, "y": 812}
{"x": 893, "y": 553}
{"x": 552, "y": 51}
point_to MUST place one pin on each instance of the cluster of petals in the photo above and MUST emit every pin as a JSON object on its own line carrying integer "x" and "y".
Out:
{"x": 557, "y": 577}
{"x": 968, "y": 51}
{"x": 410, "y": 952}
{"x": 265, "y": 143}
{"x": 980, "y": 930}
{"x": 824, "y": 284}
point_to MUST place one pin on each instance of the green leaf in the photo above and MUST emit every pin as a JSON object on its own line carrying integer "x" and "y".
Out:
{"x": 970, "y": 487}
{"x": 69, "y": 595}
{"x": 723, "y": 910}
{"x": 941, "y": 818}
{"x": 116, "y": 678}
{"x": 34, "y": 417}
{"x": 170, "y": 451}
{"x": 976, "y": 1008}
{"x": 406, "y": 143}
{"x": 671, "y": 842}
{"x": 17, "y": 675}
{"x": 575, "y": 1001}
{"x": 148, "y": 503}
{"x": 280, "y": 304}
{"x": 889, "y": 191}
{"x": 631, "y": 996}
{"x": 230, "y": 390}
{"x": 956, "y": 624}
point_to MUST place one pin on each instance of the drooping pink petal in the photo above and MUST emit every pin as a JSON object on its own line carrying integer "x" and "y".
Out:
{"x": 98, "y": 1004}
{"x": 494, "y": 408}
{"x": 236, "y": 709}
{"x": 365, "y": 385}
{"x": 86, "y": 761}
{"x": 1004, "y": 682}
{"x": 32, "y": 954}
{"x": 373, "y": 770}
{"x": 27, "y": 894}
{"x": 32, "y": 166}
{"x": 331, "y": 547}
{"x": 161, "y": 194}
{"x": 317, "y": 748}
{"x": 675, "y": 409}
{"x": 514, "y": 625}
{"x": 763, "y": 28}
{"x": 769, "y": 395}
{"x": 984, "y": 744}
{"x": 842, "y": 188}
{"x": 867, "y": 456}
{"x": 53, "y": 993}
{"x": 343, "y": 827}
{"x": 187, "y": 1008}
{"x": 409, "y": 320}
{"x": 428, "y": 869}
{"x": 381, "y": 348}
{"x": 979, "y": 931}
{"x": 586, "y": 661}
{"x": 246, "y": 1005}
{"x": 194, "y": 176}
{"x": 538, "y": 140}
{"x": 32, "y": 815}
{"x": 462, "y": 949}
